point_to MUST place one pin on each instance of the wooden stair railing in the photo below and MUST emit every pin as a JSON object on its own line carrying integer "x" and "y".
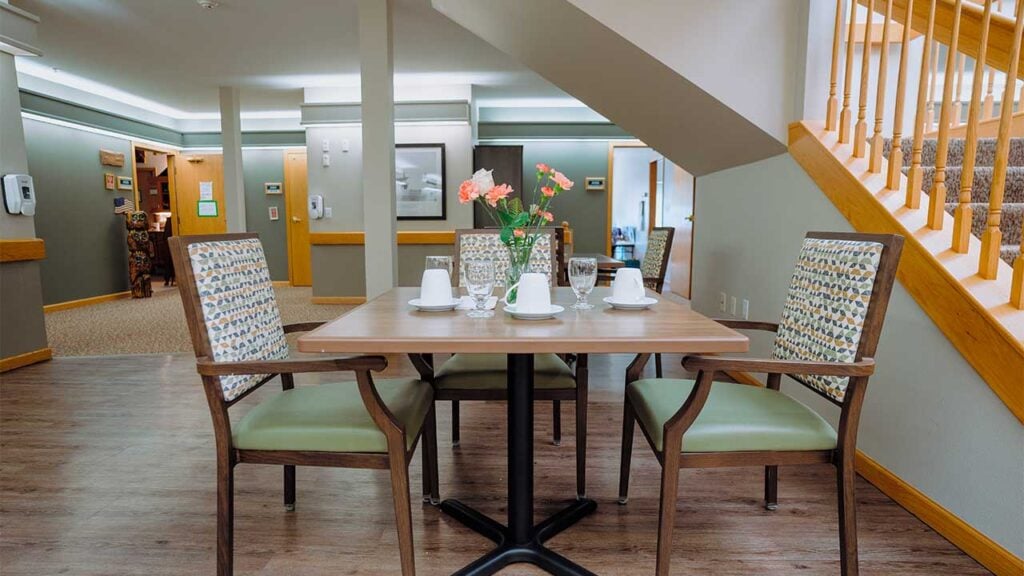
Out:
{"x": 937, "y": 194}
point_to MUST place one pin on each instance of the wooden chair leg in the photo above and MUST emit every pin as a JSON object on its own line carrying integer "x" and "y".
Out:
{"x": 581, "y": 442}
{"x": 667, "y": 512}
{"x": 455, "y": 423}
{"x": 846, "y": 477}
{"x": 628, "y": 422}
{"x": 289, "y": 488}
{"x": 556, "y": 416}
{"x": 403, "y": 512}
{"x": 657, "y": 366}
{"x": 225, "y": 516}
{"x": 431, "y": 483}
{"x": 771, "y": 487}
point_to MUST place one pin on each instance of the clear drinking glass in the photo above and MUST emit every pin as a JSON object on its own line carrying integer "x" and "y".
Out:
{"x": 439, "y": 263}
{"x": 582, "y": 276}
{"x": 480, "y": 285}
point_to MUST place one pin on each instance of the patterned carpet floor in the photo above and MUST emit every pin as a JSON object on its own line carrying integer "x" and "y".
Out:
{"x": 154, "y": 325}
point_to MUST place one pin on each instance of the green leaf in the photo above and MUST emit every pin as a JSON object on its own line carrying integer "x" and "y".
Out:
{"x": 506, "y": 235}
{"x": 521, "y": 219}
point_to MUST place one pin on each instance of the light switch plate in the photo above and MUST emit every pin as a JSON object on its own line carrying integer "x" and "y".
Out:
{"x": 325, "y": 145}
{"x": 344, "y": 145}
{"x": 328, "y": 212}
{"x": 326, "y": 160}
{"x": 746, "y": 309}
{"x": 732, "y": 306}
{"x": 722, "y": 299}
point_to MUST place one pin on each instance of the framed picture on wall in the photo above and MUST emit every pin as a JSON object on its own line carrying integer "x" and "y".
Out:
{"x": 419, "y": 181}
{"x": 109, "y": 180}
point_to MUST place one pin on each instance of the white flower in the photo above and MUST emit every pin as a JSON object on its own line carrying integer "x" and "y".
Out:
{"x": 484, "y": 180}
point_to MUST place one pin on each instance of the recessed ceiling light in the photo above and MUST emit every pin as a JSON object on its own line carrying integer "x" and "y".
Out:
{"x": 208, "y": 4}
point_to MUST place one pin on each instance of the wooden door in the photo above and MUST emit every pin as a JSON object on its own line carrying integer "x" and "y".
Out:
{"x": 507, "y": 163}
{"x": 190, "y": 172}
{"x": 300, "y": 270}
{"x": 678, "y": 188}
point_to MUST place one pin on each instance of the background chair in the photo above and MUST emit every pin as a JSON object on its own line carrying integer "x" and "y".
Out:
{"x": 654, "y": 267}
{"x": 240, "y": 345}
{"x": 483, "y": 376}
{"x": 825, "y": 340}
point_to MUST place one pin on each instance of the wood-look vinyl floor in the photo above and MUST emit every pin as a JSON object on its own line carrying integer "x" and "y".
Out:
{"x": 107, "y": 468}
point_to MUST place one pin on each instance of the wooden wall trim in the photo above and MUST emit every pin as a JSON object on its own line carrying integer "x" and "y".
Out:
{"x": 426, "y": 237}
{"x": 336, "y": 238}
{"x": 19, "y": 360}
{"x": 987, "y": 552}
{"x": 85, "y": 301}
{"x": 974, "y": 315}
{"x": 346, "y": 300}
{"x": 21, "y": 249}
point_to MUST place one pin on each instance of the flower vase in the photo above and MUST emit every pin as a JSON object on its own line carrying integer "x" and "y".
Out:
{"x": 518, "y": 264}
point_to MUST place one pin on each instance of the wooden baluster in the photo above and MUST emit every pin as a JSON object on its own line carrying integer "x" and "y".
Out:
{"x": 991, "y": 239}
{"x": 877, "y": 141}
{"x": 937, "y": 195}
{"x": 860, "y": 133}
{"x": 845, "y": 116}
{"x": 933, "y": 75}
{"x": 989, "y": 104}
{"x": 964, "y": 215}
{"x": 958, "y": 103}
{"x": 1017, "y": 283}
{"x": 914, "y": 176}
{"x": 896, "y": 152}
{"x": 832, "y": 109}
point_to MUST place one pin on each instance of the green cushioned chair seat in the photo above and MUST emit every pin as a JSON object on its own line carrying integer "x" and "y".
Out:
{"x": 487, "y": 372}
{"x": 735, "y": 418}
{"x": 332, "y": 418}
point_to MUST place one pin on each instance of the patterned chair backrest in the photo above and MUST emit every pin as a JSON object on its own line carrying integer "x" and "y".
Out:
{"x": 486, "y": 245}
{"x": 238, "y": 308}
{"x": 659, "y": 244}
{"x": 827, "y": 306}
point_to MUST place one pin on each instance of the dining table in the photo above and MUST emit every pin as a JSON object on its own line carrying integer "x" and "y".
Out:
{"x": 387, "y": 324}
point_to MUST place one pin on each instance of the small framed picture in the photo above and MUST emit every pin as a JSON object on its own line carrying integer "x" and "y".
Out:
{"x": 109, "y": 180}
{"x": 206, "y": 208}
{"x": 273, "y": 212}
{"x": 594, "y": 182}
{"x": 272, "y": 188}
{"x": 124, "y": 183}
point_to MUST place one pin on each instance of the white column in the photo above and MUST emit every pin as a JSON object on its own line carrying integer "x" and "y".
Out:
{"x": 231, "y": 141}
{"x": 378, "y": 133}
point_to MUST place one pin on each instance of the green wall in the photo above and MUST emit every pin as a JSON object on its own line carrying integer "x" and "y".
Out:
{"x": 587, "y": 212}
{"x": 258, "y": 167}
{"x": 86, "y": 253}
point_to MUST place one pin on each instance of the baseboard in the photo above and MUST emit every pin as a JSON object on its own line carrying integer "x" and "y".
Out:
{"x": 988, "y": 553}
{"x": 12, "y": 362}
{"x": 348, "y": 300}
{"x": 85, "y": 301}
{"x": 281, "y": 283}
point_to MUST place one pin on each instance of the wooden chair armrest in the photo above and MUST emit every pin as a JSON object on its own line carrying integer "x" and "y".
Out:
{"x": 208, "y": 367}
{"x": 302, "y": 327}
{"x": 636, "y": 368}
{"x": 747, "y": 324}
{"x": 864, "y": 367}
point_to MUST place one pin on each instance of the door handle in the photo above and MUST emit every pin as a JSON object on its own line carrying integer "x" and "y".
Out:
{"x": 296, "y": 219}
{"x": 690, "y": 217}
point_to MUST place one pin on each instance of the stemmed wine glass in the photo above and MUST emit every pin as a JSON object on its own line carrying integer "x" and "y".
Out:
{"x": 480, "y": 285}
{"x": 582, "y": 277}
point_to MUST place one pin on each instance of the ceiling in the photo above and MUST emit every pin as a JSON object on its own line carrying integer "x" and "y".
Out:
{"x": 176, "y": 54}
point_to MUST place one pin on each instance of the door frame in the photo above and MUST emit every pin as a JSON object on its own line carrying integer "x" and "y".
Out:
{"x": 612, "y": 145}
{"x": 171, "y": 153}
{"x": 287, "y": 208}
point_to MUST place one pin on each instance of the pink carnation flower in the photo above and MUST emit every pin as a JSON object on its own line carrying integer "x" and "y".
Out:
{"x": 468, "y": 191}
{"x": 560, "y": 179}
{"x": 519, "y": 233}
{"x": 499, "y": 192}
{"x": 547, "y": 191}
{"x": 546, "y": 215}
{"x": 542, "y": 167}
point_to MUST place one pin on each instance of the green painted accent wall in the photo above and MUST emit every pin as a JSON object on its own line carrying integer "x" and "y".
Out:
{"x": 587, "y": 212}
{"x": 86, "y": 253}
{"x": 258, "y": 167}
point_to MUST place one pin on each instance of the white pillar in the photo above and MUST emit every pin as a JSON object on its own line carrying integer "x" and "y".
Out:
{"x": 231, "y": 142}
{"x": 378, "y": 133}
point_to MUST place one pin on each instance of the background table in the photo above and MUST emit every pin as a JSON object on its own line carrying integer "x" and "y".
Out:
{"x": 388, "y": 324}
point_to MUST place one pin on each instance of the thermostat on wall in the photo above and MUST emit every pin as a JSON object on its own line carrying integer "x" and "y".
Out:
{"x": 594, "y": 182}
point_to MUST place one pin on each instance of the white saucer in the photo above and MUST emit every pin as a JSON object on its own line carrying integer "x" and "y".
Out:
{"x": 415, "y": 303}
{"x": 640, "y": 304}
{"x": 555, "y": 309}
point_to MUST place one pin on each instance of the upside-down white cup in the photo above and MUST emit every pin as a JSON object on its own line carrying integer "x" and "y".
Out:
{"x": 628, "y": 285}
{"x": 533, "y": 295}
{"x": 435, "y": 287}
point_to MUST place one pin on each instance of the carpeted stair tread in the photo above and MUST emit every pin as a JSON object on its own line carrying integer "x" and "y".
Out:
{"x": 982, "y": 185}
{"x": 985, "y": 155}
{"x": 1010, "y": 222}
{"x": 1009, "y": 253}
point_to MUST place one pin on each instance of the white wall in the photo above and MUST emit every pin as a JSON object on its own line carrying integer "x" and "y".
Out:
{"x": 630, "y": 185}
{"x": 341, "y": 183}
{"x": 928, "y": 417}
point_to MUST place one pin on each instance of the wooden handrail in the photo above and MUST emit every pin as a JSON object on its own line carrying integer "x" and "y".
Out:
{"x": 896, "y": 153}
{"x": 937, "y": 194}
{"x": 964, "y": 214}
{"x": 860, "y": 133}
{"x": 991, "y": 238}
{"x": 915, "y": 176}
{"x": 846, "y": 116}
{"x": 877, "y": 140}
{"x": 832, "y": 108}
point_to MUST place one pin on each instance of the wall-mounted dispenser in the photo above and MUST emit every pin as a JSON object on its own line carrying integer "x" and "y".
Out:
{"x": 19, "y": 194}
{"x": 316, "y": 207}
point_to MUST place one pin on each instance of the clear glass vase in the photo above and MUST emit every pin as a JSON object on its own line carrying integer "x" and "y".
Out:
{"x": 518, "y": 264}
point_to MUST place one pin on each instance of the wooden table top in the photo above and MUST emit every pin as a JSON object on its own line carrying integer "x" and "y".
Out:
{"x": 603, "y": 262}
{"x": 387, "y": 324}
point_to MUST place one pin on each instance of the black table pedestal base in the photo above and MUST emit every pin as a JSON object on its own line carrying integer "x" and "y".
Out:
{"x": 532, "y": 551}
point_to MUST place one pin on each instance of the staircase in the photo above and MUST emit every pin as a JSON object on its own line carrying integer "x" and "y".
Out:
{"x": 1013, "y": 199}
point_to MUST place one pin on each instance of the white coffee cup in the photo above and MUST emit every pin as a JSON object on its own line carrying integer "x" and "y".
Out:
{"x": 435, "y": 287}
{"x": 533, "y": 296}
{"x": 628, "y": 285}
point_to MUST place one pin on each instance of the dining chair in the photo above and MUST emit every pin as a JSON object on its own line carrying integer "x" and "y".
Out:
{"x": 825, "y": 340}
{"x": 654, "y": 267}
{"x": 240, "y": 345}
{"x": 483, "y": 376}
